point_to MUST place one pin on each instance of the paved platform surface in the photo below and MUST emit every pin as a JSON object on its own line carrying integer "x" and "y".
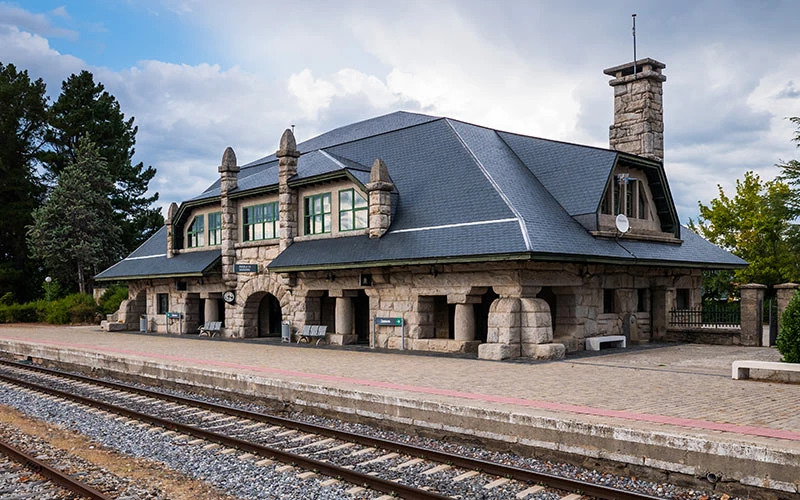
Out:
{"x": 676, "y": 390}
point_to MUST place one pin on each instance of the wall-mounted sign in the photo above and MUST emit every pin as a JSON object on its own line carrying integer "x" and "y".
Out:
{"x": 389, "y": 321}
{"x": 245, "y": 268}
{"x": 174, "y": 315}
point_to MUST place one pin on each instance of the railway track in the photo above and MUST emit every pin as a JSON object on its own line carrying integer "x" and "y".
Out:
{"x": 389, "y": 467}
{"x": 17, "y": 484}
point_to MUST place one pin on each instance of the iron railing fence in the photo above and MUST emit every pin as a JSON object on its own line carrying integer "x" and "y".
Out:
{"x": 710, "y": 317}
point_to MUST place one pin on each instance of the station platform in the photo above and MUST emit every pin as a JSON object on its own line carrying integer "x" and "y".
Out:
{"x": 671, "y": 407}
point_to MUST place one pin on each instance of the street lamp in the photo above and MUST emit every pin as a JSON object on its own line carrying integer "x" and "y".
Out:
{"x": 47, "y": 282}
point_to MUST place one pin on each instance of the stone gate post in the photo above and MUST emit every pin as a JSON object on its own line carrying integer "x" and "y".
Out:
{"x": 752, "y": 320}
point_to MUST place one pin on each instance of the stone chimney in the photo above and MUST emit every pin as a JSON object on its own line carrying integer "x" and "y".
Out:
{"x": 380, "y": 200}
{"x": 638, "y": 115}
{"x": 171, "y": 212}
{"x": 287, "y": 197}
{"x": 228, "y": 181}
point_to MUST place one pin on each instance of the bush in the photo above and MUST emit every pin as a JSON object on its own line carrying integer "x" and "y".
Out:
{"x": 789, "y": 335}
{"x": 75, "y": 308}
{"x": 112, "y": 297}
{"x": 19, "y": 313}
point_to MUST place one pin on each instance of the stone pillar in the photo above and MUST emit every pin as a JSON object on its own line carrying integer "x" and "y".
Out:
{"x": 344, "y": 316}
{"x": 211, "y": 310}
{"x": 173, "y": 210}
{"x": 660, "y": 314}
{"x": 786, "y": 292}
{"x": 503, "y": 335}
{"x": 638, "y": 115}
{"x": 464, "y": 322}
{"x": 287, "y": 197}
{"x": 380, "y": 188}
{"x": 752, "y": 321}
{"x": 228, "y": 181}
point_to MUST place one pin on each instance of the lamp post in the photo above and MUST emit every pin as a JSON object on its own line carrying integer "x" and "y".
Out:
{"x": 47, "y": 282}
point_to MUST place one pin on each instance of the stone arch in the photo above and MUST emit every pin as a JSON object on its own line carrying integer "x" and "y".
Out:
{"x": 131, "y": 309}
{"x": 249, "y": 298}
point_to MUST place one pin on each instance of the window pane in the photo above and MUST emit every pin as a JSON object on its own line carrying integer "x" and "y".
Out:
{"x": 361, "y": 219}
{"x": 307, "y": 225}
{"x": 642, "y": 202}
{"x": 246, "y": 216}
{"x": 326, "y": 202}
{"x": 361, "y": 202}
{"x": 258, "y": 232}
{"x": 317, "y": 224}
{"x": 201, "y": 239}
{"x": 345, "y": 200}
{"x": 345, "y": 221}
{"x": 327, "y": 227}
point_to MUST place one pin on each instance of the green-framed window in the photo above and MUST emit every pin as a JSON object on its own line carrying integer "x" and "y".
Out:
{"x": 317, "y": 213}
{"x": 195, "y": 235}
{"x": 162, "y": 303}
{"x": 215, "y": 228}
{"x": 260, "y": 222}
{"x": 353, "y": 210}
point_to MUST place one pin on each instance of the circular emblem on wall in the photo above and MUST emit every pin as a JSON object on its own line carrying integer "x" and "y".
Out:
{"x": 229, "y": 297}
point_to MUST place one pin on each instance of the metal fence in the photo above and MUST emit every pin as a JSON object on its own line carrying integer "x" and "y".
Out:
{"x": 709, "y": 317}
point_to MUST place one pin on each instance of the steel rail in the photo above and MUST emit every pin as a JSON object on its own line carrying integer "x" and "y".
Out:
{"x": 60, "y": 478}
{"x": 501, "y": 470}
{"x": 311, "y": 464}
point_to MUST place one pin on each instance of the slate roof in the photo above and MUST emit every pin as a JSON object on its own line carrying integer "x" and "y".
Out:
{"x": 150, "y": 260}
{"x": 463, "y": 192}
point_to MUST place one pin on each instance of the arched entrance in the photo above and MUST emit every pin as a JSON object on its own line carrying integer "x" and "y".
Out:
{"x": 269, "y": 316}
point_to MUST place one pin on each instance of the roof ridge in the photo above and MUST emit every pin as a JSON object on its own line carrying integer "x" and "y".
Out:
{"x": 522, "y": 225}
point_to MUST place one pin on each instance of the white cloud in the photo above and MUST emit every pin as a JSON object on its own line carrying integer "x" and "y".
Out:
{"x": 39, "y": 24}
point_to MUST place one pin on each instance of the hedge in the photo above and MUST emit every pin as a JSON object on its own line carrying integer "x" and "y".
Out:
{"x": 75, "y": 308}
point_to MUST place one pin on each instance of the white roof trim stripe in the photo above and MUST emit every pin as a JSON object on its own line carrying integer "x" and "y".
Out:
{"x": 145, "y": 257}
{"x": 331, "y": 158}
{"x": 523, "y": 228}
{"x": 460, "y": 224}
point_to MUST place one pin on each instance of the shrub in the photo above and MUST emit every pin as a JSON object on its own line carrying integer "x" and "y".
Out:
{"x": 7, "y": 299}
{"x": 789, "y": 335}
{"x": 112, "y": 297}
{"x": 75, "y": 308}
{"x": 19, "y": 313}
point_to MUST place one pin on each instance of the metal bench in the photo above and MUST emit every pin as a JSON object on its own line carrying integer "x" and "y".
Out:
{"x": 594, "y": 343}
{"x": 740, "y": 369}
{"x": 210, "y": 329}
{"x": 311, "y": 332}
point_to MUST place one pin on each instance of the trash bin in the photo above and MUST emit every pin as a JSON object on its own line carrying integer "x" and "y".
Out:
{"x": 286, "y": 332}
{"x": 143, "y": 323}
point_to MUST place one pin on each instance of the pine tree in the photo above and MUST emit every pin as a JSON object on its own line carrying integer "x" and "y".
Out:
{"x": 85, "y": 108}
{"x": 74, "y": 232}
{"x": 23, "y": 117}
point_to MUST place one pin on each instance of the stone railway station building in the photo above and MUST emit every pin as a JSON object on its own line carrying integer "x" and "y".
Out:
{"x": 483, "y": 241}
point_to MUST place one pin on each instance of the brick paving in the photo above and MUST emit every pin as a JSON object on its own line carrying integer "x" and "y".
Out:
{"x": 682, "y": 387}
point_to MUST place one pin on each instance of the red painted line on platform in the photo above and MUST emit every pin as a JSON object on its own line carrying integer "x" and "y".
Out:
{"x": 530, "y": 403}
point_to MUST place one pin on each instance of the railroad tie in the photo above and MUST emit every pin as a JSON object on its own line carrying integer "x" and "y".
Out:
{"x": 284, "y": 468}
{"x": 356, "y": 490}
{"x": 434, "y": 470}
{"x": 496, "y": 483}
{"x": 310, "y": 445}
{"x": 530, "y": 491}
{"x": 264, "y": 462}
{"x": 381, "y": 458}
{"x": 227, "y": 451}
{"x": 336, "y": 448}
{"x": 306, "y": 475}
{"x": 465, "y": 476}
{"x": 329, "y": 482}
{"x": 409, "y": 463}
{"x": 362, "y": 452}
{"x": 572, "y": 496}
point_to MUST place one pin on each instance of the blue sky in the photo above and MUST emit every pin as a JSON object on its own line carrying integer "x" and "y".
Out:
{"x": 202, "y": 75}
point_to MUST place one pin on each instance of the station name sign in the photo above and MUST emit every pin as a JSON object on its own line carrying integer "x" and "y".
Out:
{"x": 389, "y": 321}
{"x": 245, "y": 268}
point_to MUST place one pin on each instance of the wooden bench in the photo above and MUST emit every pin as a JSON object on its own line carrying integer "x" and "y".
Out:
{"x": 594, "y": 343}
{"x": 740, "y": 369}
{"x": 210, "y": 329}
{"x": 311, "y": 332}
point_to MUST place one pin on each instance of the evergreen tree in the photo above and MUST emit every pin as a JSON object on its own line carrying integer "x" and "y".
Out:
{"x": 791, "y": 173}
{"x": 74, "y": 231}
{"x": 23, "y": 117}
{"x": 85, "y": 108}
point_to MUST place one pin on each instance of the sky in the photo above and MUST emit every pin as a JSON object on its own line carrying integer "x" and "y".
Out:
{"x": 199, "y": 76}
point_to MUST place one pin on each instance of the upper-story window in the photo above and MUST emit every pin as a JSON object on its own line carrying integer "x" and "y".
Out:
{"x": 627, "y": 197}
{"x": 215, "y": 228}
{"x": 317, "y": 213}
{"x": 353, "y": 210}
{"x": 195, "y": 235}
{"x": 260, "y": 222}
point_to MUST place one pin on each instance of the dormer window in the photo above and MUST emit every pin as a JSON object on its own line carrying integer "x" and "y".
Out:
{"x": 215, "y": 228}
{"x": 353, "y": 210}
{"x": 260, "y": 222}
{"x": 627, "y": 197}
{"x": 195, "y": 235}
{"x": 317, "y": 214}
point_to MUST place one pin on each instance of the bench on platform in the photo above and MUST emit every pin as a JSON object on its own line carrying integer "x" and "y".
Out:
{"x": 210, "y": 329}
{"x": 740, "y": 369}
{"x": 594, "y": 343}
{"x": 311, "y": 332}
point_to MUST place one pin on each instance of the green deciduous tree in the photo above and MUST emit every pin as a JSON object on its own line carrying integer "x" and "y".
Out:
{"x": 756, "y": 225}
{"x": 790, "y": 174}
{"x": 74, "y": 232}
{"x": 23, "y": 118}
{"x": 85, "y": 108}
